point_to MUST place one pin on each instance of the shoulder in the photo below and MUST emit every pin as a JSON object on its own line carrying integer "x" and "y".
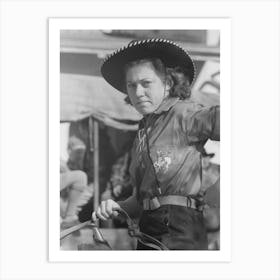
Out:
{"x": 185, "y": 106}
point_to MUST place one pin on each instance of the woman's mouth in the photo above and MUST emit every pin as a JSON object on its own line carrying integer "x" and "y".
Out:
{"x": 142, "y": 102}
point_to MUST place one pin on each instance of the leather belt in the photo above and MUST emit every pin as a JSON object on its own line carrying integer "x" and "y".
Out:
{"x": 156, "y": 202}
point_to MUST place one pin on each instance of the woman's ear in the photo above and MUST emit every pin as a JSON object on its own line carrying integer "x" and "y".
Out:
{"x": 168, "y": 83}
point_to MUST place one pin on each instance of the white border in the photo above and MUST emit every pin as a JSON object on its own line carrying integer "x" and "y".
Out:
{"x": 222, "y": 24}
{"x": 255, "y": 139}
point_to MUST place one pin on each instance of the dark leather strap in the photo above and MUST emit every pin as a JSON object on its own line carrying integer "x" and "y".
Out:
{"x": 133, "y": 231}
{"x": 145, "y": 239}
{"x": 70, "y": 230}
{"x": 150, "y": 158}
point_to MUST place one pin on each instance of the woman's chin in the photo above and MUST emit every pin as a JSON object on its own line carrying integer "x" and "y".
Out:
{"x": 144, "y": 111}
{"x": 144, "y": 108}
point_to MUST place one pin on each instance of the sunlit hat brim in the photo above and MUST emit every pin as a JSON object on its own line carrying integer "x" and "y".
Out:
{"x": 170, "y": 53}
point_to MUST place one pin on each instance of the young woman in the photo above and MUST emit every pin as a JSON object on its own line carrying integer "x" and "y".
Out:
{"x": 166, "y": 168}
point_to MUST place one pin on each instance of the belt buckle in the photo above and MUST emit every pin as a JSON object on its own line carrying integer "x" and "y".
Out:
{"x": 189, "y": 202}
{"x": 154, "y": 203}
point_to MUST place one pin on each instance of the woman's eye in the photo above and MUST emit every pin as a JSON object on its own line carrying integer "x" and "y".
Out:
{"x": 130, "y": 86}
{"x": 146, "y": 83}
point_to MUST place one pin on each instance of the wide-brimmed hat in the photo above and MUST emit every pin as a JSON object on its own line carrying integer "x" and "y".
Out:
{"x": 170, "y": 53}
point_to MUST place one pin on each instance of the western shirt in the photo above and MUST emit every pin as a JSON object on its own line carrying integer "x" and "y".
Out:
{"x": 175, "y": 133}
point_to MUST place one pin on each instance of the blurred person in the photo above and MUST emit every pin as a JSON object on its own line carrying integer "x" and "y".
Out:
{"x": 73, "y": 185}
{"x": 166, "y": 165}
{"x": 119, "y": 186}
{"x": 120, "y": 183}
{"x": 76, "y": 151}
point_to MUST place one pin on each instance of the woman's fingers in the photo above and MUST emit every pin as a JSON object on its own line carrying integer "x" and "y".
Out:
{"x": 105, "y": 210}
{"x": 108, "y": 208}
{"x": 97, "y": 215}
{"x": 100, "y": 214}
{"x": 115, "y": 213}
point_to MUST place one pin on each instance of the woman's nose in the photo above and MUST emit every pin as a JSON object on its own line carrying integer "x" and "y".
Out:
{"x": 139, "y": 91}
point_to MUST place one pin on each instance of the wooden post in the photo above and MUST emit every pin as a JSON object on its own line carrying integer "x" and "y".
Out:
{"x": 94, "y": 148}
{"x": 96, "y": 163}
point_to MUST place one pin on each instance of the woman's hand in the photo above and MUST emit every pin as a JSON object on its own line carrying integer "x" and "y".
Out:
{"x": 106, "y": 210}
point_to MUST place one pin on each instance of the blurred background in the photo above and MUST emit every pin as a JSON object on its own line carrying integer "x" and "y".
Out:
{"x": 97, "y": 128}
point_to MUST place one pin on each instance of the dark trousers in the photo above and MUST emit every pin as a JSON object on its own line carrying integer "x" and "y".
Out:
{"x": 178, "y": 227}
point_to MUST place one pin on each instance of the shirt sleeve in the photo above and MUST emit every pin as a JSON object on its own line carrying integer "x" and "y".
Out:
{"x": 203, "y": 124}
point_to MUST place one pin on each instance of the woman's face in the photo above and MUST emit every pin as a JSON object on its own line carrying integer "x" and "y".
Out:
{"x": 145, "y": 88}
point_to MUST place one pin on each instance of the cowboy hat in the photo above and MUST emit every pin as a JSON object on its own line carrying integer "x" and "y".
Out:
{"x": 170, "y": 53}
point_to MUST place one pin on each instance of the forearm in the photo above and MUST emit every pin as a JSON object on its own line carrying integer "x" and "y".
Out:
{"x": 131, "y": 206}
{"x": 203, "y": 124}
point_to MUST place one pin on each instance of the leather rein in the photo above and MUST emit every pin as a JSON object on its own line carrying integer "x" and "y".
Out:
{"x": 133, "y": 231}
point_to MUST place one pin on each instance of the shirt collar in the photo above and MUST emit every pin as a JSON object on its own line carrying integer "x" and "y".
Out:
{"x": 164, "y": 107}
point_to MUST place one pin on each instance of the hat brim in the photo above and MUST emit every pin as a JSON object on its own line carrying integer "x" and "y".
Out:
{"x": 171, "y": 54}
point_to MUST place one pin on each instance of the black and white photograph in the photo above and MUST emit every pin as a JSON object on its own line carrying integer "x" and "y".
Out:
{"x": 139, "y": 139}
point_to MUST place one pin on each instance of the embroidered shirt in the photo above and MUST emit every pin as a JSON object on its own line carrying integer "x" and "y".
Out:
{"x": 176, "y": 132}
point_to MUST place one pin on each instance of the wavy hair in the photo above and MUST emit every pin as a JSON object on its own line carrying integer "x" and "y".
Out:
{"x": 177, "y": 76}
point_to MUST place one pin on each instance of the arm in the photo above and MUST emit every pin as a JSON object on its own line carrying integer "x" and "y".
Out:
{"x": 131, "y": 205}
{"x": 203, "y": 124}
{"x": 105, "y": 210}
